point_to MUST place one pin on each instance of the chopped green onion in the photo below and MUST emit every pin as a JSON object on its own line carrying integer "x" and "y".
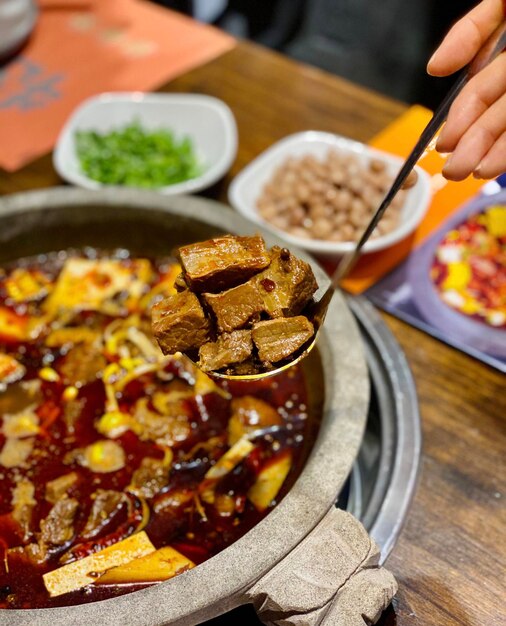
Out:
{"x": 136, "y": 157}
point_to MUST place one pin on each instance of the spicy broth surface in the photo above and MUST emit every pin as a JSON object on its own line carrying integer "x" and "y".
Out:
{"x": 93, "y": 415}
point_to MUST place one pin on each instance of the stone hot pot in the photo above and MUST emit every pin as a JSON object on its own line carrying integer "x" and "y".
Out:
{"x": 306, "y": 562}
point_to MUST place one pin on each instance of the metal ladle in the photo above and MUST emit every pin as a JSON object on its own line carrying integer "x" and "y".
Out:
{"x": 318, "y": 309}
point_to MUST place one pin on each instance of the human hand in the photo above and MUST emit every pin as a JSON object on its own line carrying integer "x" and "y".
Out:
{"x": 475, "y": 131}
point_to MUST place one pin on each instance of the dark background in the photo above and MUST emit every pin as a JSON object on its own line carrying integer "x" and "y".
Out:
{"x": 381, "y": 44}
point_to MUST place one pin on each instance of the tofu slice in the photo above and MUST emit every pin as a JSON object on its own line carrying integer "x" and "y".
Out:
{"x": 90, "y": 284}
{"x": 155, "y": 567}
{"x": 85, "y": 571}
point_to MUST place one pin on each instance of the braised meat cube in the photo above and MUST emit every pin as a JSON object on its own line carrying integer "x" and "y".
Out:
{"x": 230, "y": 348}
{"x": 279, "y": 338}
{"x": 167, "y": 430}
{"x": 230, "y": 286}
{"x": 82, "y": 364}
{"x": 149, "y": 478}
{"x": 246, "y": 368}
{"x": 235, "y": 307}
{"x": 106, "y": 504}
{"x": 179, "y": 323}
{"x": 286, "y": 285}
{"x": 58, "y": 527}
{"x": 218, "y": 264}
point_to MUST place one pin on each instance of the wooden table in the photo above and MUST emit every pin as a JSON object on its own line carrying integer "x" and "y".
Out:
{"x": 450, "y": 559}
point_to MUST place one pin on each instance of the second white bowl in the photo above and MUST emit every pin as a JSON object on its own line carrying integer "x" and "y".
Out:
{"x": 248, "y": 184}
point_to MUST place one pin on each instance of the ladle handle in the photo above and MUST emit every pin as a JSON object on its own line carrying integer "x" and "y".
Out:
{"x": 491, "y": 49}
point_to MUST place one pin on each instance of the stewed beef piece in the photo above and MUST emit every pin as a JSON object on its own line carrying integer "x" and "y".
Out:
{"x": 58, "y": 527}
{"x": 179, "y": 323}
{"x": 223, "y": 262}
{"x": 106, "y": 504}
{"x": 82, "y": 364}
{"x": 279, "y": 338}
{"x": 287, "y": 285}
{"x": 235, "y": 307}
{"x": 281, "y": 290}
{"x": 149, "y": 478}
{"x": 229, "y": 349}
{"x": 238, "y": 303}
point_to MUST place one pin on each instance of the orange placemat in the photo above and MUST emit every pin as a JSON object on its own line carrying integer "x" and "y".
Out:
{"x": 399, "y": 138}
{"x": 83, "y": 47}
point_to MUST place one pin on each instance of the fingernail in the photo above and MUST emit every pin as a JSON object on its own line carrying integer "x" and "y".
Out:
{"x": 448, "y": 162}
{"x": 477, "y": 173}
{"x": 446, "y": 167}
{"x": 429, "y": 63}
{"x": 440, "y": 142}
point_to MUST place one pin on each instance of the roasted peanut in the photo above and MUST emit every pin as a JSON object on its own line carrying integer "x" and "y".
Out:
{"x": 331, "y": 199}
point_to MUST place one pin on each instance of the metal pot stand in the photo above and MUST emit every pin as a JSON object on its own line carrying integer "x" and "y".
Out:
{"x": 384, "y": 477}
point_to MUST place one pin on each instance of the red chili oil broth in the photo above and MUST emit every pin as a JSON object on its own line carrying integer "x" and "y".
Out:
{"x": 198, "y": 538}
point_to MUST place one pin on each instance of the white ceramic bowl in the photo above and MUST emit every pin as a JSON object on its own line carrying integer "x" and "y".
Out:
{"x": 17, "y": 20}
{"x": 248, "y": 184}
{"x": 207, "y": 121}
